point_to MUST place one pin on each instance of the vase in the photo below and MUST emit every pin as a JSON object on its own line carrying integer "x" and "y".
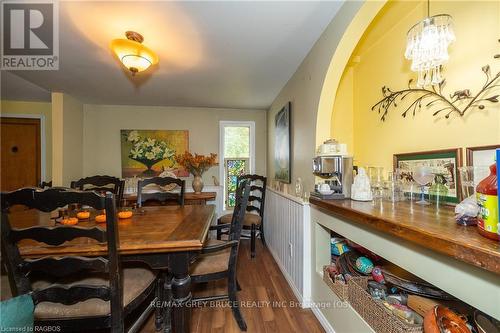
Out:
{"x": 197, "y": 184}
{"x": 149, "y": 172}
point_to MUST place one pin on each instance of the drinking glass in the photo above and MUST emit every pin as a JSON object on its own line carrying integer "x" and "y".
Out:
{"x": 298, "y": 188}
{"x": 393, "y": 187}
{"x": 376, "y": 181}
{"x": 470, "y": 176}
{"x": 423, "y": 175}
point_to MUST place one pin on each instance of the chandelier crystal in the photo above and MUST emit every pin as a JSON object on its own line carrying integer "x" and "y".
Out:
{"x": 427, "y": 48}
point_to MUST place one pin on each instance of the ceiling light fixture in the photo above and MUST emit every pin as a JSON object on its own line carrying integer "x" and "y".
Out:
{"x": 135, "y": 56}
{"x": 427, "y": 47}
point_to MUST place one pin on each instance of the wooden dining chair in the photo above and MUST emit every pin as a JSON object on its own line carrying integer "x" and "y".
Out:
{"x": 219, "y": 258}
{"x": 74, "y": 293}
{"x": 254, "y": 218}
{"x": 161, "y": 196}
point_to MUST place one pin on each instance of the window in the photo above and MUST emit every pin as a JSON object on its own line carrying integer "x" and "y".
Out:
{"x": 237, "y": 156}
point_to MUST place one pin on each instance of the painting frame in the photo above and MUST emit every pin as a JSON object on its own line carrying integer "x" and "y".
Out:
{"x": 469, "y": 152}
{"x": 428, "y": 156}
{"x": 282, "y": 145}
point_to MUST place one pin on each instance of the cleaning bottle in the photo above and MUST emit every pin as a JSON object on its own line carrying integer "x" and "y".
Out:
{"x": 487, "y": 200}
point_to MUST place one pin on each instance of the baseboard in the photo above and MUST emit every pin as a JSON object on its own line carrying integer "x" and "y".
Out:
{"x": 322, "y": 320}
{"x": 303, "y": 303}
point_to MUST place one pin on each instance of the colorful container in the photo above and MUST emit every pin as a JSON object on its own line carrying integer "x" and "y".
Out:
{"x": 487, "y": 200}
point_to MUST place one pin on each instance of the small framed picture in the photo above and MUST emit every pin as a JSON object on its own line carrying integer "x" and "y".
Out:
{"x": 444, "y": 175}
{"x": 481, "y": 156}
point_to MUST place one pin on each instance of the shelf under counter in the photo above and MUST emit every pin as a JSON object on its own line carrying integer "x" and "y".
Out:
{"x": 426, "y": 226}
{"x": 411, "y": 244}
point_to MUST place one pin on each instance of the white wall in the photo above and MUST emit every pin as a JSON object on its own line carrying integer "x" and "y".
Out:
{"x": 102, "y": 125}
{"x": 304, "y": 90}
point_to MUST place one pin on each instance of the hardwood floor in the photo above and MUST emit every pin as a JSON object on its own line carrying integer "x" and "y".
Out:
{"x": 263, "y": 286}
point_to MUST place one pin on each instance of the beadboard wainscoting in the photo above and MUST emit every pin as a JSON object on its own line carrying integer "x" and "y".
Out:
{"x": 287, "y": 232}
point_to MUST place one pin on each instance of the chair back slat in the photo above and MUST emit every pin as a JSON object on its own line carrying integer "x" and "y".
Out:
{"x": 57, "y": 235}
{"x": 51, "y": 198}
{"x": 160, "y": 196}
{"x": 20, "y": 269}
{"x": 71, "y": 295}
{"x": 257, "y": 197}
{"x": 65, "y": 266}
{"x": 101, "y": 184}
{"x": 45, "y": 184}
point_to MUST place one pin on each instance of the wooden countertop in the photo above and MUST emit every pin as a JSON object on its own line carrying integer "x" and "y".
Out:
{"x": 424, "y": 225}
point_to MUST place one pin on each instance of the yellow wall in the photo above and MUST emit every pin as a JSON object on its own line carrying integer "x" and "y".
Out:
{"x": 342, "y": 121}
{"x": 67, "y": 140}
{"x": 36, "y": 108}
{"x": 477, "y": 28}
{"x": 102, "y": 125}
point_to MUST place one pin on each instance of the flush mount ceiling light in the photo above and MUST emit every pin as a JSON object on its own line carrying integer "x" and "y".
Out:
{"x": 427, "y": 47}
{"x": 135, "y": 56}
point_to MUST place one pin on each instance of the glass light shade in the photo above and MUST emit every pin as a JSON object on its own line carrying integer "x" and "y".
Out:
{"x": 134, "y": 55}
{"x": 427, "y": 48}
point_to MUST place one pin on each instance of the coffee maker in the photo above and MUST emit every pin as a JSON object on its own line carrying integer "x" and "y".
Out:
{"x": 337, "y": 172}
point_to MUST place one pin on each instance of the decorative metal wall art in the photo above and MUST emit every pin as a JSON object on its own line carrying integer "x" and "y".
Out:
{"x": 459, "y": 102}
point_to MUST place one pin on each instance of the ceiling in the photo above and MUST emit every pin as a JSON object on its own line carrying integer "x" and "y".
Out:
{"x": 212, "y": 54}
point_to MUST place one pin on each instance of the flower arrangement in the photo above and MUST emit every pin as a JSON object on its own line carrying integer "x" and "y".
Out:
{"x": 196, "y": 164}
{"x": 148, "y": 149}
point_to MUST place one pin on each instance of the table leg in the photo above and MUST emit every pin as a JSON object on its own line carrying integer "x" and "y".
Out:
{"x": 181, "y": 292}
{"x": 167, "y": 315}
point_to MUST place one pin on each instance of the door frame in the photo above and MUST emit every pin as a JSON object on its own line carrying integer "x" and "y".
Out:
{"x": 222, "y": 125}
{"x": 43, "y": 147}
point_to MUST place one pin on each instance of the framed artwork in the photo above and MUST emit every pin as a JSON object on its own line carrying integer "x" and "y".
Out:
{"x": 444, "y": 164}
{"x": 147, "y": 153}
{"x": 481, "y": 156}
{"x": 282, "y": 167}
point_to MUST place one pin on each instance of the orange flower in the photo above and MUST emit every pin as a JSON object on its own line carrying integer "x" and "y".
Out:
{"x": 196, "y": 164}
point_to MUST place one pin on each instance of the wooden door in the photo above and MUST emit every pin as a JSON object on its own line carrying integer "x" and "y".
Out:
{"x": 21, "y": 152}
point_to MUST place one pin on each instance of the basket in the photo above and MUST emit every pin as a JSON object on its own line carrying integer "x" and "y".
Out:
{"x": 340, "y": 289}
{"x": 374, "y": 313}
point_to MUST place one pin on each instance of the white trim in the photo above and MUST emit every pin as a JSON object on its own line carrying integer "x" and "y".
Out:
{"x": 43, "y": 147}
{"x": 288, "y": 278}
{"x": 322, "y": 319}
{"x": 288, "y": 196}
{"x": 222, "y": 125}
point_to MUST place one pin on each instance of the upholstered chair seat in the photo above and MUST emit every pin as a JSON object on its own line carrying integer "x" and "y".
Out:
{"x": 211, "y": 262}
{"x": 135, "y": 282}
{"x": 248, "y": 220}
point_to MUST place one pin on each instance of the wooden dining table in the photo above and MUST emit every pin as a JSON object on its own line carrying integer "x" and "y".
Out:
{"x": 163, "y": 237}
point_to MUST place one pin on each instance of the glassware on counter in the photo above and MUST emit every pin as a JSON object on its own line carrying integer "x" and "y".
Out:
{"x": 393, "y": 187}
{"x": 376, "y": 175}
{"x": 438, "y": 191}
{"x": 423, "y": 176}
{"x": 299, "y": 190}
{"x": 470, "y": 176}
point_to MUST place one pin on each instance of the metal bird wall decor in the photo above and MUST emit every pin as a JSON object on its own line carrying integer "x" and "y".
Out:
{"x": 459, "y": 102}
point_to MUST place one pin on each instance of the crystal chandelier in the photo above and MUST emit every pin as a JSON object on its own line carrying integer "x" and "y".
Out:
{"x": 427, "y": 47}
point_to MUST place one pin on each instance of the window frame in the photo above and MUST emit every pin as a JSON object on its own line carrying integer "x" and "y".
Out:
{"x": 232, "y": 123}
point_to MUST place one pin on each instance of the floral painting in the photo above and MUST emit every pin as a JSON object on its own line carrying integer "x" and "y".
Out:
{"x": 146, "y": 153}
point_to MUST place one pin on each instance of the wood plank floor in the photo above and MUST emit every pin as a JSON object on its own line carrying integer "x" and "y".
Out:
{"x": 261, "y": 282}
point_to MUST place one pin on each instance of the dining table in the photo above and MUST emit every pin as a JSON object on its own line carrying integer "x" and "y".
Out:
{"x": 163, "y": 237}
